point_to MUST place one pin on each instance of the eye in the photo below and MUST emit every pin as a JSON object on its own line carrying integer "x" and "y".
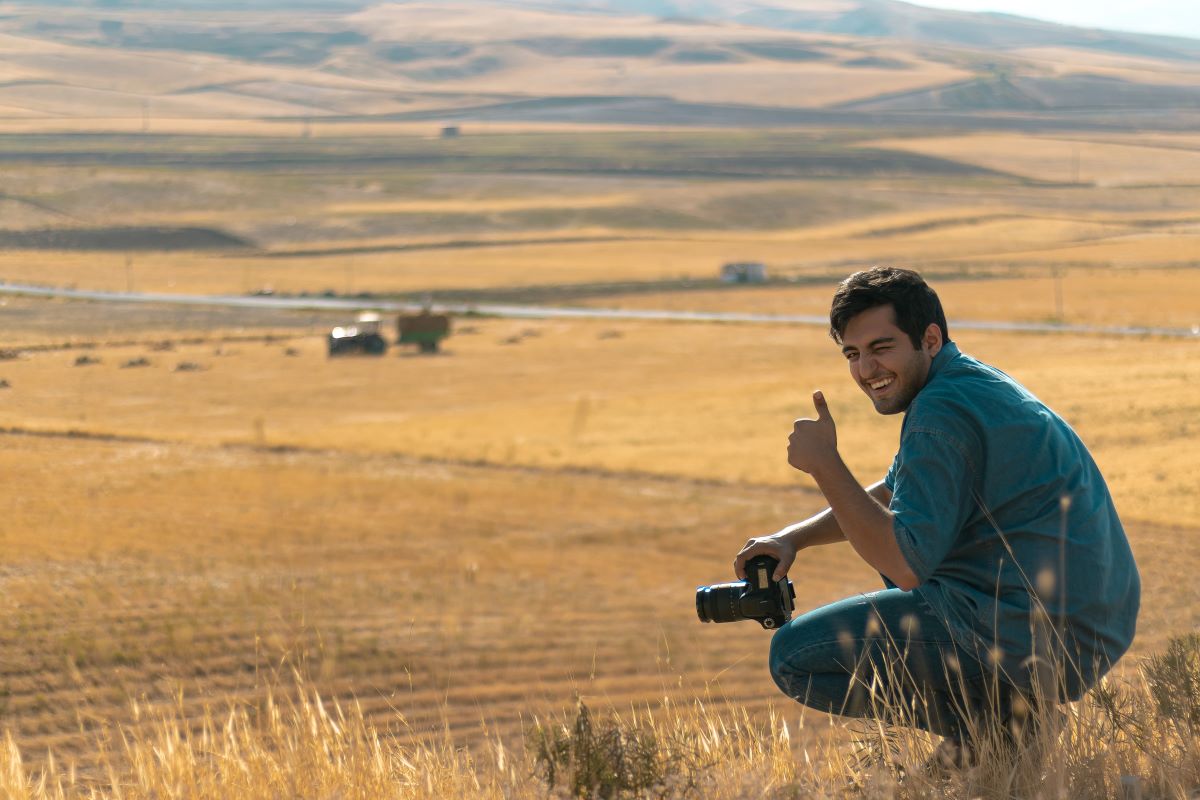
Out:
{"x": 851, "y": 356}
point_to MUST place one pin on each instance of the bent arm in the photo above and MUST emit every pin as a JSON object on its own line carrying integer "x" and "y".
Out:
{"x": 823, "y": 528}
{"x": 819, "y": 529}
{"x": 865, "y": 521}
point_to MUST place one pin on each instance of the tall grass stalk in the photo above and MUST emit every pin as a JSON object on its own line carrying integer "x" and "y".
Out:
{"x": 1134, "y": 738}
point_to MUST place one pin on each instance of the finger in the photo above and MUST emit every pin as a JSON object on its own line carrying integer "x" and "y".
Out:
{"x": 821, "y": 406}
{"x": 781, "y": 570}
{"x": 739, "y": 563}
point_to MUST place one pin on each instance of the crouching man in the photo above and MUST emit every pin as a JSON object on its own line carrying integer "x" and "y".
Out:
{"x": 1011, "y": 582}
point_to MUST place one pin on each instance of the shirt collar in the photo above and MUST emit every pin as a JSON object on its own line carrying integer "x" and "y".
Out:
{"x": 948, "y": 352}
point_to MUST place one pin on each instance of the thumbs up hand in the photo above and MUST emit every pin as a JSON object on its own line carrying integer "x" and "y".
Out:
{"x": 813, "y": 441}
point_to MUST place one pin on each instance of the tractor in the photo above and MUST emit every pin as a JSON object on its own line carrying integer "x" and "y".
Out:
{"x": 362, "y": 337}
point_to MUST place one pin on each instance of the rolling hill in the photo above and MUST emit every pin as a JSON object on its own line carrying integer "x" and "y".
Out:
{"x": 124, "y": 64}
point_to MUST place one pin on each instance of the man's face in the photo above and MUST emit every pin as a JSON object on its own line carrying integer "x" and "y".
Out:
{"x": 883, "y": 361}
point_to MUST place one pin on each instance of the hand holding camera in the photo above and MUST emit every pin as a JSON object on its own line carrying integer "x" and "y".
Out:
{"x": 778, "y": 546}
{"x": 760, "y": 597}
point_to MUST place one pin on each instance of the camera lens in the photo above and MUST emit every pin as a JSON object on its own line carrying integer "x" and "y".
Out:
{"x": 720, "y": 602}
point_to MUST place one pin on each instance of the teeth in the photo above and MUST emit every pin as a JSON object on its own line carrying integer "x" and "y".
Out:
{"x": 880, "y": 383}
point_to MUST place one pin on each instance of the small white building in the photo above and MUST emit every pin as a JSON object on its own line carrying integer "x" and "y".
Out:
{"x": 744, "y": 272}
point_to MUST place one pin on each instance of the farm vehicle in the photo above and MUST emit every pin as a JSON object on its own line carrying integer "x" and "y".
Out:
{"x": 425, "y": 329}
{"x": 362, "y": 337}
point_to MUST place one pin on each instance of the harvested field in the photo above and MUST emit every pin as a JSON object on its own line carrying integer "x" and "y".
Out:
{"x": 218, "y": 571}
{"x": 462, "y": 541}
{"x": 1070, "y": 160}
{"x": 123, "y": 240}
{"x": 70, "y": 325}
{"x": 1085, "y": 295}
{"x": 204, "y": 511}
{"x": 559, "y": 394}
{"x": 1026, "y": 248}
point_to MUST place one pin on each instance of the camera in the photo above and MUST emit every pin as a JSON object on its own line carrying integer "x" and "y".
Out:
{"x": 759, "y": 598}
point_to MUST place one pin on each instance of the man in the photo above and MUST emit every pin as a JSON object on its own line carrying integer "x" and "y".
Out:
{"x": 1011, "y": 581}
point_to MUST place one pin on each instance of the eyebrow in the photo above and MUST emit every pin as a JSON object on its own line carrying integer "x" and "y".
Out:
{"x": 872, "y": 343}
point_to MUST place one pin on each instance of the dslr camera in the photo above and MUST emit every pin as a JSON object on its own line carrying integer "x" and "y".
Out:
{"x": 769, "y": 602}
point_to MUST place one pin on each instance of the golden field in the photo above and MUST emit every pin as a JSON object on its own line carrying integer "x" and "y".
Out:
{"x": 554, "y": 394}
{"x": 454, "y": 549}
{"x": 471, "y": 221}
{"x": 1106, "y": 161}
{"x": 1072, "y": 295}
{"x": 232, "y": 567}
{"x": 441, "y": 595}
{"x": 453, "y": 546}
{"x": 459, "y": 542}
{"x": 78, "y": 75}
{"x": 1099, "y": 256}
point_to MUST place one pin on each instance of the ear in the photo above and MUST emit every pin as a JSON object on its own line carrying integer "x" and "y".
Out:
{"x": 931, "y": 340}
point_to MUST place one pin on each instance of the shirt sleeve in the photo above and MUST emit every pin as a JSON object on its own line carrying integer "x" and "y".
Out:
{"x": 932, "y": 500}
{"x": 889, "y": 480}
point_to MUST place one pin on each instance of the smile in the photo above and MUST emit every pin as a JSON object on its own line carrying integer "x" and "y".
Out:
{"x": 881, "y": 383}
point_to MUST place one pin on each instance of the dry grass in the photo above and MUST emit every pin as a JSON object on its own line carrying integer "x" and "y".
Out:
{"x": 275, "y": 512}
{"x": 67, "y": 59}
{"x": 134, "y": 570}
{"x": 760, "y": 82}
{"x": 1021, "y": 245}
{"x": 577, "y": 393}
{"x": 1069, "y": 61}
{"x": 24, "y": 122}
{"x": 395, "y": 229}
{"x": 1133, "y": 251}
{"x": 1118, "y": 742}
{"x": 199, "y": 578}
{"x": 1068, "y": 160}
{"x": 63, "y": 74}
{"x": 538, "y": 232}
{"x": 1085, "y": 296}
{"x": 450, "y": 550}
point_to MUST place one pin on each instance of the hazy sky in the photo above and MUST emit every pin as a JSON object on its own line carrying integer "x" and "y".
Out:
{"x": 1174, "y": 17}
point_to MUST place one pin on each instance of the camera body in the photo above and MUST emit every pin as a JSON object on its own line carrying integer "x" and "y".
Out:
{"x": 767, "y": 601}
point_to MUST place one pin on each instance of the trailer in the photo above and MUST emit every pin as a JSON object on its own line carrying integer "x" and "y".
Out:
{"x": 426, "y": 330}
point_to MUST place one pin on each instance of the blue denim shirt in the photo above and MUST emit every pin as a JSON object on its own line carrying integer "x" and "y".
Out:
{"x": 1006, "y": 521}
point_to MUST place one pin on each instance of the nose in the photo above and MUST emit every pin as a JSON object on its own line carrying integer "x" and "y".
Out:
{"x": 866, "y": 365}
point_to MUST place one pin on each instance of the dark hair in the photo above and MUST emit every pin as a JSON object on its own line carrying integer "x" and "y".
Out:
{"x": 915, "y": 304}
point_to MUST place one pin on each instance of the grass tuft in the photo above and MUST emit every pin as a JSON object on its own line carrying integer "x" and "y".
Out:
{"x": 598, "y": 758}
{"x": 1120, "y": 741}
{"x": 1174, "y": 680}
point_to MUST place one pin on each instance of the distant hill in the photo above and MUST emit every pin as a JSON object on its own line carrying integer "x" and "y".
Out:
{"x": 891, "y": 19}
{"x": 681, "y": 62}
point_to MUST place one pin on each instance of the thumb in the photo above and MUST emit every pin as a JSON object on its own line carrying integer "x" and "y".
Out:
{"x": 822, "y": 407}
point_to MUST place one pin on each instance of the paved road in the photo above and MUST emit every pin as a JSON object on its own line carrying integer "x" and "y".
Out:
{"x": 552, "y": 312}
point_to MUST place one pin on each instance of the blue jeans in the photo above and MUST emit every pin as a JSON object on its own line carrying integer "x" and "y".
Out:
{"x": 885, "y": 655}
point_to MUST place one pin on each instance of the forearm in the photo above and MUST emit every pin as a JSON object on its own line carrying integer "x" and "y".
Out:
{"x": 864, "y": 520}
{"x": 823, "y": 528}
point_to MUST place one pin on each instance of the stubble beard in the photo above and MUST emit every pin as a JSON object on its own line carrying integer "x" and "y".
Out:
{"x": 908, "y": 382}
